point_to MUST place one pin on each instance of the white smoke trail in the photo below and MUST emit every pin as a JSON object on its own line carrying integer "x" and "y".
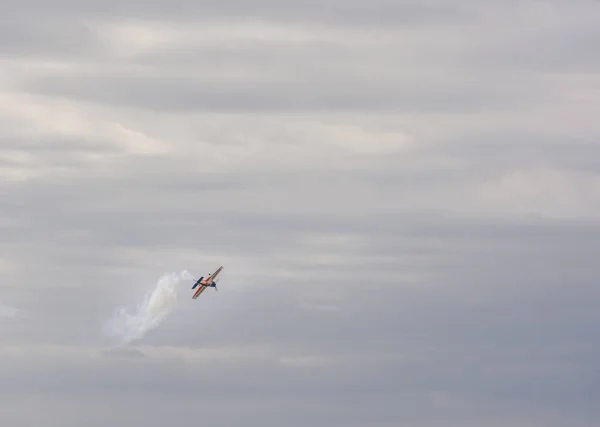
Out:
{"x": 7, "y": 311}
{"x": 155, "y": 307}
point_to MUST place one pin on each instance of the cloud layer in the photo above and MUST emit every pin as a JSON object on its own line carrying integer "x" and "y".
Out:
{"x": 404, "y": 196}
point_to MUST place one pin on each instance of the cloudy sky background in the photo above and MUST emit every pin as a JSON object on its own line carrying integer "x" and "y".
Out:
{"x": 404, "y": 195}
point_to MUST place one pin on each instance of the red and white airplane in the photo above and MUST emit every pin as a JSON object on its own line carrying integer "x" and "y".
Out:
{"x": 209, "y": 282}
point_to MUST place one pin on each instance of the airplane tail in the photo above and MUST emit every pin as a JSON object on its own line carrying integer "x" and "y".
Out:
{"x": 197, "y": 282}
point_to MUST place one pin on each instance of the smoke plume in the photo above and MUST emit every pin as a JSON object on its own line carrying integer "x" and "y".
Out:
{"x": 7, "y": 311}
{"x": 150, "y": 313}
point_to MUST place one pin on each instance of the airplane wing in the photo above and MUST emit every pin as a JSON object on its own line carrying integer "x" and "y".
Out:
{"x": 214, "y": 275}
{"x": 199, "y": 291}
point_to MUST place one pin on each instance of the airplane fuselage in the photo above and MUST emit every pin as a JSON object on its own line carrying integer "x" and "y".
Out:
{"x": 208, "y": 282}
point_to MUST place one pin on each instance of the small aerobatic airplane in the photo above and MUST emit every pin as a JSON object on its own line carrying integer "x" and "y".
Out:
{"x": 209, "y": 282}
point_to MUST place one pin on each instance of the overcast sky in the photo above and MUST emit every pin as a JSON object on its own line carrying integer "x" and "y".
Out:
{"x": 404, "y": 195}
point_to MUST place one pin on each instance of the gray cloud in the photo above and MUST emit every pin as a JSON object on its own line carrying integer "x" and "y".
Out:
{"x": 377, "y": 13}
{"x": 179, "y": 95}
{"x": 42, "y": 37}
{"x": 259, "y": 65}
{"x": 404, "y": 197}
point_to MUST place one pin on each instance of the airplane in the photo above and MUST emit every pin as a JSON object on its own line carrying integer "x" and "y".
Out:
{"x": 209, "y": 282}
